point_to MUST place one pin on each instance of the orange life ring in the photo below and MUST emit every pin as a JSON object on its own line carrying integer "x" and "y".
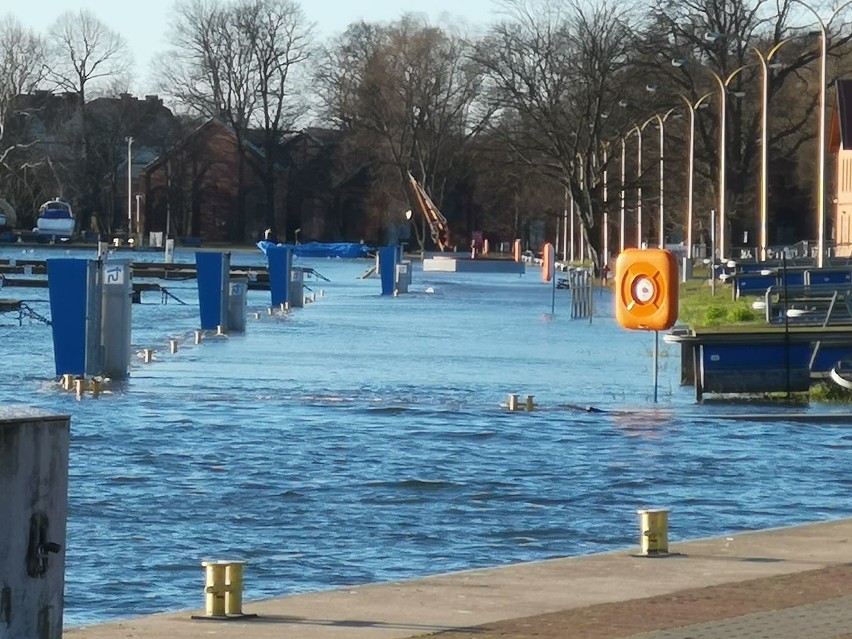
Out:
{"x": 646, "y": 286}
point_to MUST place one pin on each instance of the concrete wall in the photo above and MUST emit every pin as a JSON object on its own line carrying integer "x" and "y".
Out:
{"x": 33, "y": 510}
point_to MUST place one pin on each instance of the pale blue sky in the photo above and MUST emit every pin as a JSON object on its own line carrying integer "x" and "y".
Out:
{"x": 144, "y": 24}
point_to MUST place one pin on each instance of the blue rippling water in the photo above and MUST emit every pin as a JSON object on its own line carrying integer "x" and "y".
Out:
{"x": 362, "y": 439}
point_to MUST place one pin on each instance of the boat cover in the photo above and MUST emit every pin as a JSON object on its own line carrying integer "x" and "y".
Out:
{"x": 321, "y": 249}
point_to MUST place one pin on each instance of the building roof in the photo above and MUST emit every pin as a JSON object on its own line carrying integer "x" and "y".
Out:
{"x": 840, "y": 134}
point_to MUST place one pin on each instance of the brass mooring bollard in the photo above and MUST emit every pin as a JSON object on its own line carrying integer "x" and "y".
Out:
{"x": 530, "y": 405}
{"x": 513, "y": 402}
{"x": 654, "y": 531}
{"x": 96, "y": 388}
{"x": 223, "y": 590}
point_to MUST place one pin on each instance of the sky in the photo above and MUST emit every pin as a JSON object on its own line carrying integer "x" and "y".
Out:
{"x": 144, "y": 24}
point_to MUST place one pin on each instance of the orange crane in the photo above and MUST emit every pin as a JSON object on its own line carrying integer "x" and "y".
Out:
{"x": 437, "y": 222}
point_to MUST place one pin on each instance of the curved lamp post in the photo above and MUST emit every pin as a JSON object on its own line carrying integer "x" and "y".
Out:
{"x": 765, "y": 64}
{"x": 661, "y": 122}
{"x": 692, "y": 107}
{"x": 821, "y": 133}
{"x": 723, "y": 90}
{"x": 639, "y": 130}
{"x": 622, "y": 195}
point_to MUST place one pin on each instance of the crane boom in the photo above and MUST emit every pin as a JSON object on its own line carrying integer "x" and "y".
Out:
{"x": 437, "y": 222}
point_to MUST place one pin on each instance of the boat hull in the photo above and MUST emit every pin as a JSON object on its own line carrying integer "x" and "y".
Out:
{"x": 58, "y": 227}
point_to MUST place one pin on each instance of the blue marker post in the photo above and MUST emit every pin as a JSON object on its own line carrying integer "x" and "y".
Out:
{"x": 214, "y": 270}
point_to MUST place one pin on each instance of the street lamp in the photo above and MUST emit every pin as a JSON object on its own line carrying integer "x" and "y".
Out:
{"x": 821, "y": 132}
{"x": 638, "y": 130}
{"x": 129, "y": 140}
{"x": 765, "y": 61}
{"x": 661, "y": 122}
{"x": 605, "y": 259}
{"x": 692, "y": 107}
{"x": 723, "y": 90}
{"x": 621, "y": 196}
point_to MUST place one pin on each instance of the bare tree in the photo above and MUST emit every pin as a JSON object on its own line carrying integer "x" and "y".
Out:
{"x": 22, "y": 60}
{"x": 556, "y": 71}
{"x": 280, "y": 39}
{"x": 406, "y": 93}
{"x": 83, "y": 55}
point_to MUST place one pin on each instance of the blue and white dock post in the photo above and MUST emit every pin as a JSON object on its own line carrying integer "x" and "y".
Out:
{"x": 394, "y": 280}
{"x": 116, "y": 318}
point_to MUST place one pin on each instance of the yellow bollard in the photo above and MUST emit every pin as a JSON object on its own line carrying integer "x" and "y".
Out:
{"x": 654, "y": 531}
{"x": 530, "y": 404}
{"x": 96, "y": 388}
{"x": 197, "y": 337}
{"x": 234, "y": 583}
{"x": 214, "y": 588}
{"x": 513, "y": 402}
{"x": 173, "y": 346}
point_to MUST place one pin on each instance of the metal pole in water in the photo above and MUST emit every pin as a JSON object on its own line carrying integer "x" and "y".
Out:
{"x": 553, "y": 295}
{"x": 656, "y": 362}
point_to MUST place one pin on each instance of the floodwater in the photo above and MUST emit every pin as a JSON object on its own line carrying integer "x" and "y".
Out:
{"x": 362, "y": 439}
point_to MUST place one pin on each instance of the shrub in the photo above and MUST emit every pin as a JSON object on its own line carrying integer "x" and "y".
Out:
{"x": 714, "y": 315}
{"x": 741, "y": 314}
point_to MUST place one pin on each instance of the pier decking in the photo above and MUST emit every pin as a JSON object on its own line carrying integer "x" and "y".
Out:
{"x": 786, "y": 583}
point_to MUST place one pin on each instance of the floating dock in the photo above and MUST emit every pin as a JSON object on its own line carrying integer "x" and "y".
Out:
{"x": 447, "y": 264}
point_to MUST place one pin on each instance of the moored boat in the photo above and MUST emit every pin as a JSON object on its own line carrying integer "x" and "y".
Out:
{"x": 55, "y": 219}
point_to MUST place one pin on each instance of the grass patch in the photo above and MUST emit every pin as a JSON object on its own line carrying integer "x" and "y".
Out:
{"x": 830, "y": 393}
{"x": 699, "y": 308}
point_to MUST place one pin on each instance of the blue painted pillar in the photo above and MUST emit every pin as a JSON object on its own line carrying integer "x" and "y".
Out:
{"x": 388, "y": 256}
{"x": 68, "y": 288}
{"x": 280, "y": 261}
{"x": 214, "y": 270}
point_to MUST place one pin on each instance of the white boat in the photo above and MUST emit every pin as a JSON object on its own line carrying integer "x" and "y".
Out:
{"x": 55, "y": 219}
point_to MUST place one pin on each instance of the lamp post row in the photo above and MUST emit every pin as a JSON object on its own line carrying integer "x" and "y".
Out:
{"x": 765, "y": 64}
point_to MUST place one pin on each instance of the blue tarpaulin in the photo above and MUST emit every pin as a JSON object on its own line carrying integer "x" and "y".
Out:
{"x": 320, "y": 249}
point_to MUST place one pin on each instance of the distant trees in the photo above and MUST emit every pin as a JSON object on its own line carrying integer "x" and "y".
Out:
{"x": 556, "y": 71}
{"x": 84, "y": 54}
{"x": 407, "y": 94}
{"x": 500, "y": 128}
{"x": 239, "y": 61}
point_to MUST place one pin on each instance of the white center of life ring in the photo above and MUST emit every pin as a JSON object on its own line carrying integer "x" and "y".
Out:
{"x": 643, "y": 289}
